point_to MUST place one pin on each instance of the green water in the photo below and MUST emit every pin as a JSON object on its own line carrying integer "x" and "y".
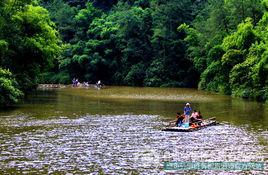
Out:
{"x": 117, "y": 130}
{"x": 75, "y": 102}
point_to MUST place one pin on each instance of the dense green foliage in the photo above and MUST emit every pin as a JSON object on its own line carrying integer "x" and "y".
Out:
{"x": 124, "y": 42}
{"x": 9, "y": 92}
{"x": 28, "y": 45}
{"x": 217, "y": 45}
{"x": 228, "y": 46}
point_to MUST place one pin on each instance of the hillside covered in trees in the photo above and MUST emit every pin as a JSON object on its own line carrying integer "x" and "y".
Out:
{"x": 216, "y": 45}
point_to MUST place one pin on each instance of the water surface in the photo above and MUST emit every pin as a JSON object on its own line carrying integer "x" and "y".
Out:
{"x": 117, "y": 130}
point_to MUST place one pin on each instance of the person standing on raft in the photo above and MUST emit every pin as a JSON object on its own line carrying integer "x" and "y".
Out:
{"x": 187, "y": 112}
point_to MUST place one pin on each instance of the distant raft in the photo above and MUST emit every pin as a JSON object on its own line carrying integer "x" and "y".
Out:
{"x": 204, "y": 124}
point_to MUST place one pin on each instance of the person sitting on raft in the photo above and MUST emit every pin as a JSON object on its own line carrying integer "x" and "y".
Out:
{"x": 196, "y": 118}
{"x": 179, "y": 119}
{"x": 200, "y": 117}
{"x": 194, "y": 114}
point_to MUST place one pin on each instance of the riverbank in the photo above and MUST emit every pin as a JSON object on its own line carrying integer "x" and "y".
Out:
{"x": 60, "y": 86}
{"x": 52, "y": 86}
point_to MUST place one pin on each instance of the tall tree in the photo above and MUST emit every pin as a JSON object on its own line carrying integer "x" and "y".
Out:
{"x": 29, "y": 41}
{"x": 168, "y": 45}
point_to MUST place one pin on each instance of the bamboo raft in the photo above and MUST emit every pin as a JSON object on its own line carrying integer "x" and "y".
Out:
{"x": 204, "y": 124}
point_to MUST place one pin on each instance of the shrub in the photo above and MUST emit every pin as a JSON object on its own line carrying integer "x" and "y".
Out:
{"x": 9, "y": 93}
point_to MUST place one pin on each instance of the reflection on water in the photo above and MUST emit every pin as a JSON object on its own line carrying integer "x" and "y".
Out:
{"x": 117, "y": 130}
{"x": 117, "y": 144}
{"x": 74, "y": 102}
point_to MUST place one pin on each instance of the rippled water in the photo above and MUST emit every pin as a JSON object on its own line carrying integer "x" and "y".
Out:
{"x": 117, "y": 130}
{"x": 117, "y": 144}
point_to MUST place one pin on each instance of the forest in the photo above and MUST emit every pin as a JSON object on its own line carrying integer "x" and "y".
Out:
{"x": 213, "y": 45}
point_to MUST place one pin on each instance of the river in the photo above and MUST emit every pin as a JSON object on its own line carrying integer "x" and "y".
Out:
{"x": 117, "y": 130}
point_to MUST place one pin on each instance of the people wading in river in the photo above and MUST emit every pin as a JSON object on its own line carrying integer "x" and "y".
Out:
{"x": 73, "y": 81}
{"x": 99, "y": 84}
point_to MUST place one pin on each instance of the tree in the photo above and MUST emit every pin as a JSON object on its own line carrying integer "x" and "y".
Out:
{"x": 169, "y": 47}
{"x": 62, "y": 15}
{"x": 28, "y": 41}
